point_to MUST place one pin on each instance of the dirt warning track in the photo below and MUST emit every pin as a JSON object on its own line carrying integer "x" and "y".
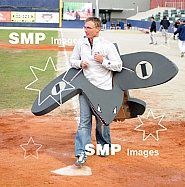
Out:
{"x": 37, "y": 47}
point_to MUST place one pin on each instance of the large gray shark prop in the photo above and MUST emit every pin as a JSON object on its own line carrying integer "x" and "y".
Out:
{"x": 140, "y": 70}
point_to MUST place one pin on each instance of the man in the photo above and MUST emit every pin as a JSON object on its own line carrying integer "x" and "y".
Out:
{"x": 98, "y": 58}
{"x": 112, "y": 26}
{"x": 104, "y": 23}
{"x": 118, "y": 26}
{"x": 165, "y": 24}
{"x": 129, "y": 25}
{"x": 175, "y": 27}
{"x": 181, "y": 42}
{"x": 153, "y": 31}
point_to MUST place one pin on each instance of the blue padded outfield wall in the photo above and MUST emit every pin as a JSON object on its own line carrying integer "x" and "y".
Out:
{"x": 80, "y": 24}
{"x": 147, "y": 24}
{"x": 31, "y": 3}
{"x": 45, "y": 13}
{"x": 29, "y": 13}
{"x": 36, "y": 13}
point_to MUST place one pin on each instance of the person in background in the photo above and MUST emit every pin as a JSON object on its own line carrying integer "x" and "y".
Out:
{"x": 98, "y": 58}
{"x": 129, "y": 25}
{"x": 181, "y": 41}
{"x": 165, "y": 24}
{"x": 77, "y": 16}
{"x": 104, "y": 23}
{"x": 112, "y": 26}
{"x": 88, "y": 12}
{"x": 153, "y": 31}
{"x": 175, "y": 27}
{"x": 118, "y": 26}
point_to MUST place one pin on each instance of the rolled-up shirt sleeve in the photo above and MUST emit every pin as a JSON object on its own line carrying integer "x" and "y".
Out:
{"x": 112, "y": 60}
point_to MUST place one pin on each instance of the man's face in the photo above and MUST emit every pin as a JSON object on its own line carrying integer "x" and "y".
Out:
{"x": 91, "y": 30}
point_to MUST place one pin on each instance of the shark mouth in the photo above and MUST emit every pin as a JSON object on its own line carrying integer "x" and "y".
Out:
{"x": 99, "y": 117}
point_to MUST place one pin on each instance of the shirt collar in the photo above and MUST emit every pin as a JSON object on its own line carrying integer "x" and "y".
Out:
{"x": 95, "y": 40}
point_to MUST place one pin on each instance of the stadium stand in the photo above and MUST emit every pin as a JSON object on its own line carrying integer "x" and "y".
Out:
{"x": 141, "y": 21}
{"x": 158, "y": 13}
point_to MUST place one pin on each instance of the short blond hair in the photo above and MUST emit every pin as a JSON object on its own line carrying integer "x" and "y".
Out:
{"x": 96, "y": 21}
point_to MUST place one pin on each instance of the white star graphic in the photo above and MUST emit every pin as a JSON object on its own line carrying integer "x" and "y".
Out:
{"x": 167, "y": 45}
{"x": 149, "y": 125}
{"x": 41, "y": 99}
{"x": 31, "y": 148}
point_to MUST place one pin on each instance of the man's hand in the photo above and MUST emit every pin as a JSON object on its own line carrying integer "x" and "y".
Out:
{"x": 84, "y": 64}
{"x": 98, "y": 57}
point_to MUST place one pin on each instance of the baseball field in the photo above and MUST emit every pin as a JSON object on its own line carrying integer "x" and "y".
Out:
{"x": 39, "y": 150}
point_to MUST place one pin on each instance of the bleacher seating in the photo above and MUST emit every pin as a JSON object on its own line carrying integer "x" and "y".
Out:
{"x": 172, "y": 15}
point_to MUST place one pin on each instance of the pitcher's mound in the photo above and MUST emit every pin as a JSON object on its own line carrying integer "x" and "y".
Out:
{"x": 73, "y": 170}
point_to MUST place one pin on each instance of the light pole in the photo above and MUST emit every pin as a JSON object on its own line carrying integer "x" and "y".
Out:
{"x": 97, "y": 9}
{"x": 137, "y": 7}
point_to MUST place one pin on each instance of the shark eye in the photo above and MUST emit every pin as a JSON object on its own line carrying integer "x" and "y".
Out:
{"x": 99, "y": 108}
{"x": 58, "y": 88}
{"x": 115, "y": 110}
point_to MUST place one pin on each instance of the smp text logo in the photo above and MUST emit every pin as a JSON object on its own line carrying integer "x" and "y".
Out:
{"x": 102, "y": 150}
{"x": 38, "y": 37}
{"x": 26, "y": 38}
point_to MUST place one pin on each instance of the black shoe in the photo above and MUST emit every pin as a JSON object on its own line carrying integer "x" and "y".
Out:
{"x": 174, "y": 37}
{"x": 103, "y": 155}
{"x": 81, "y": 159}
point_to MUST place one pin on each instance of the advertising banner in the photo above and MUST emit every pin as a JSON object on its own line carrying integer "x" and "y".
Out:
{"x": 22, "y": 16}
{"x": 77, "y": 11}
{"x": 4, "y": 16}
{"x": 47, "y": 17}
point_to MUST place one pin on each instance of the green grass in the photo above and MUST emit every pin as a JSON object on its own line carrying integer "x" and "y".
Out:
{"x": 15, "y": 75}
{"x": 4, "y": 34}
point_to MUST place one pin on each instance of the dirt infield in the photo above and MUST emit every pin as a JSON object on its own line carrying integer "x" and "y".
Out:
{"x": 150, "y": 163}
{"x": 56, "y": 135}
